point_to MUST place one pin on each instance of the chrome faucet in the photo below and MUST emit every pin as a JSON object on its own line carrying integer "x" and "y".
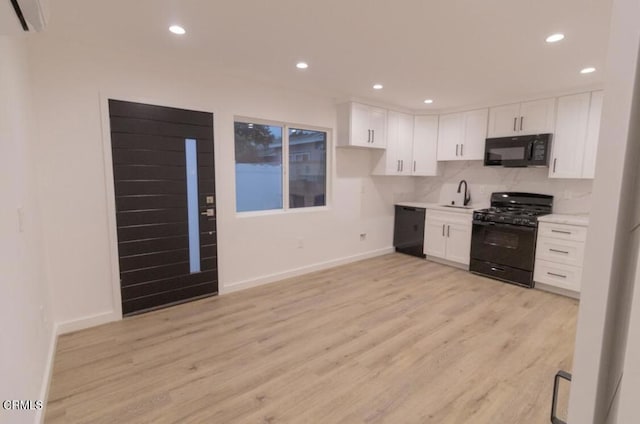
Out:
{"x": 467, "y": 195}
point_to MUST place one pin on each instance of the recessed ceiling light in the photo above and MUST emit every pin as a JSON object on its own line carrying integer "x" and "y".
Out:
{"x": 428, "y": 101}
{"x": 377, "y": 86}
{"x": 554, "y": 38}
{"x": 302, "y": 65}
{"x": 588, "y": 70}
{"x": 177, "y": 29}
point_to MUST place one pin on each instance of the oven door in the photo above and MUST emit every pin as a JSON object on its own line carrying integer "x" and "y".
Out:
{"x": 504, "y": 244}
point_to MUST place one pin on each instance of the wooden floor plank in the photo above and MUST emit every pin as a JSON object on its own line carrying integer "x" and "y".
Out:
{"x": 392, "y": 339}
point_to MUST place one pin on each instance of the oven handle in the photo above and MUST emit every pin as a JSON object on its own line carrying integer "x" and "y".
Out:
{"x": 500, "y": 224}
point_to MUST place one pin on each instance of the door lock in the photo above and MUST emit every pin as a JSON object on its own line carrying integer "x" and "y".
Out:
{"x": 209, "y": 200}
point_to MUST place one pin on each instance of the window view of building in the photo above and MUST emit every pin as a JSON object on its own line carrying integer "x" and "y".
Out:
{"x": 260, "y": 163}
{"x": 307, "y": 168}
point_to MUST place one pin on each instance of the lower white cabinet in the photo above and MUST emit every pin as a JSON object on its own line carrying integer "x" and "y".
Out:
{"x": 560, "y": 255}
{"x": 447, "y": 236}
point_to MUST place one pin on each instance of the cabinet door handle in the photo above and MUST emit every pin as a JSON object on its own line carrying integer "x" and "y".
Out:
{"x": 448, "y": 228}
{"x": 398, "y": 166}
{"x": 556, "y": 275}
{"x": 457, "y": 149}
{"x": 558, "y": 251}
{"x": 554, "y": 164}
{"x": 414, "y": 166}
{"x": 462, "y": 150}
{"x": 442, "y": 230}
{"x": 521, "y": 122}
{"x": 373, "y": 136}
{"x": 402, "y": 165}
{"x": 515, "y": 122}
{"x": 561, "y": 232}
{"x": 369, "y": 136}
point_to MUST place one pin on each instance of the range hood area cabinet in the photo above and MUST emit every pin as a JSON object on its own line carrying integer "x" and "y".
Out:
{"x": 361, "y": 125}
{"x": 575, "y": 141}
{"x": 535, "y": 117}
{"x": 461, "y": 136}
{"x": 411, "y": 146}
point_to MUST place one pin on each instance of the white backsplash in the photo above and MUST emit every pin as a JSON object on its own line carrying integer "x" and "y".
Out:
{"x": 570, "y": 196}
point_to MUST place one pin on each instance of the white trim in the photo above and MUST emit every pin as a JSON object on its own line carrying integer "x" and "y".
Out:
{"x": 447, "y": 262}
{"x": 111, "y": 206}
{"x": 271, "y": 278}
{"x": 87, "y": 322}
{"x": 48, "y": 373}
{"x": 557, "y": 290}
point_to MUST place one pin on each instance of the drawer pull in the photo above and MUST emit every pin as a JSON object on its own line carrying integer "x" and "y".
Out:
{"x": 561, "y": 232}
{"x": 558, "y": 251}
{"x": 557, "y": 275}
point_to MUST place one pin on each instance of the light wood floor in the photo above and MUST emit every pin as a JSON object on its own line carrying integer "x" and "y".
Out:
{"x": 393, "y": 339}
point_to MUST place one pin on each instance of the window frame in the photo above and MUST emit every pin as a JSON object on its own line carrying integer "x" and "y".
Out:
{"x": 286, "y": 209}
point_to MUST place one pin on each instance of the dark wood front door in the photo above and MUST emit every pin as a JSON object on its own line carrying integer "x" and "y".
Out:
{"x": 163, "y": 168}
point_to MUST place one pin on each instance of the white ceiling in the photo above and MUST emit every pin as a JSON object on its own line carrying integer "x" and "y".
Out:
{"x": 458, "y": 52}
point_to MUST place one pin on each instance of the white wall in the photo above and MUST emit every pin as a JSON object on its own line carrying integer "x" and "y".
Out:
{"x": 612, "y": 245}
{"x": 26, "y": 333}
{"x": 570, "y": 196}
{"x": 72, "y": 69}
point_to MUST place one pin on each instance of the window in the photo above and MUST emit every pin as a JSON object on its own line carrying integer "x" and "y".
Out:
{"x": 279, "y": 167}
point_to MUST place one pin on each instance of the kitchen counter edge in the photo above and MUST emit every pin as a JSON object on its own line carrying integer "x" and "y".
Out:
{"x": 579, "y": 220}
{"x": 436, "y": 206}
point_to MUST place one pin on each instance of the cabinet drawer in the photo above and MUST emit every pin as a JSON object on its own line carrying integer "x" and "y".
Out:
{"x": 562, "y": 231}
{"x": 566, "y": 252}
{"x": 564, "y": 276}
{"x": 450, "y": 217}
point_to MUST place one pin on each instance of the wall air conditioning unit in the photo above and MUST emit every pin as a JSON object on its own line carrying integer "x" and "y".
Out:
{"x": 32, "y": 14}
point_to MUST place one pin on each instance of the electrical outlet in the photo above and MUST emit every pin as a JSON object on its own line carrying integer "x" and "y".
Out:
{"x": 363, "y": 236}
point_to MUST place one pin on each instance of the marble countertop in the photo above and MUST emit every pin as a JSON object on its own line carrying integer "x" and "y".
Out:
{"x": 437, "y": 206}
{"x": 581, "y": 220}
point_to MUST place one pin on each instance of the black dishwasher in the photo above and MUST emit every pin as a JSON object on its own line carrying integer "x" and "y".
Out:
{"x": 408, "y": 230}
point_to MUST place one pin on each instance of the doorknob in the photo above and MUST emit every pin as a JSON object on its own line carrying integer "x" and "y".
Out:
{"x": 208, "y": 212}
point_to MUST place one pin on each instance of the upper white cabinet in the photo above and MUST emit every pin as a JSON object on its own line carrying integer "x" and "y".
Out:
{"x": 362, "y": 126}
{"x": 397, "y": 159}
{"x": 593, "y": 134}
{"x": 533, "y": 117}
{"x": 575, "y": 141}
{"x": 461, "y": 136}
{"x": 425, "y": 146}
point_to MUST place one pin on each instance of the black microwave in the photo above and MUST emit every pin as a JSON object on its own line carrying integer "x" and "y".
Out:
{"x": 520, "y": 151}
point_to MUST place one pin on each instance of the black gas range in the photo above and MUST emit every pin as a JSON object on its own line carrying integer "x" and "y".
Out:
{"x": 503, "y": 242}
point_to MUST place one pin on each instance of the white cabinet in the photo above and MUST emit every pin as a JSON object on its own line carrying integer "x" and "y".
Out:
{"x": 397, "y": 158}
{"x": 560, "y": 255}
{"x": 362, "y": 126}
{"x": 575, "y": 141}
{"x": 425, "y": 146}
{"x": 448, "y": 236}
{"x": 461, "y": 136}
{"x": 593, "y": 135}
{"x": 535, "y": 117}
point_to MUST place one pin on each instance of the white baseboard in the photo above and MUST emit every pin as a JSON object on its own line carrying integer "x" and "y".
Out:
{"x": 254, "y": 282}
{"x": 557, "y": 290}
{"x": 86, "y": 322}
{"x": 48, "y": 373}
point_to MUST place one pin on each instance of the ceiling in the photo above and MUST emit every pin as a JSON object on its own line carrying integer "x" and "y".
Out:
{"x": 457, "y": 52}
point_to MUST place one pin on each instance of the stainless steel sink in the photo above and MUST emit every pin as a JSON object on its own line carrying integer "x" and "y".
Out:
{"x": 457, "y": 206}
